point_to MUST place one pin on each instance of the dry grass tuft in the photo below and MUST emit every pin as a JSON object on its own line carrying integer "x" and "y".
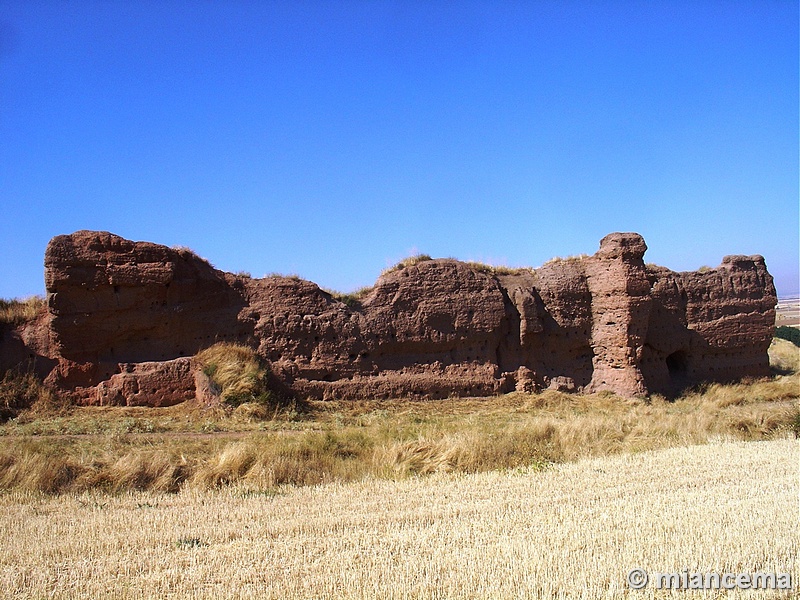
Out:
{"x": 24, "y": 391}
{"x": 16, "y": 312}
{"x": 228, "y": 466}
{"x": 147, "y": 469}
{"x": 351, "y": 299}
{"x": 723, "y": 395}
{"x": 407, "y": 262}
{"x": 418, "y": 457}
{"x": 496, "y": 269}
{"x": 468, "y": 452}
{"x": 784, "y": 357}
{"x": 237, "y": 372}
{"x": 39, "y": 469}
{"x": 254, "y": 412}
{"x": 569, "y": 259}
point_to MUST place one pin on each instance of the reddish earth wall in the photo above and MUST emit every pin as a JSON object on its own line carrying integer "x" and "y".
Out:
{"x": 116, "y": 309}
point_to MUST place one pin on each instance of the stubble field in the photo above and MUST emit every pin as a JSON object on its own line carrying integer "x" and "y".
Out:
{"x": 571, "y": 531}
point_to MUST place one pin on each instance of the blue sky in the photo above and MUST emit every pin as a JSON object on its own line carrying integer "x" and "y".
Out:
{"x": 332, "y": 139}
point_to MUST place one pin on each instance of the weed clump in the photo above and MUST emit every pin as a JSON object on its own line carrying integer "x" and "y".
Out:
{"x": 496, "y": 269}
{"x": 237, "y": 375}
{"x": 411, "y": 261}
{"x": 16, "y": 312}
{"x": 351, "y": 299}
{"x": 575, "y": 258}
{"x": 24, "y": 391}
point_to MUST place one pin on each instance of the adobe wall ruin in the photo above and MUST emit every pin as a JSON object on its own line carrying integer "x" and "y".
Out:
{"x": 124, "y": 317}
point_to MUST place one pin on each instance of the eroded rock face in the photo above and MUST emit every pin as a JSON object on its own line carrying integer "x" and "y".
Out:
{"x": 149, "y": 384}
{"x": 709, "y": 326}
{"x": 123, "y": 318}
{"x": 621, "y": 305}
{"x": 113, "y": 301}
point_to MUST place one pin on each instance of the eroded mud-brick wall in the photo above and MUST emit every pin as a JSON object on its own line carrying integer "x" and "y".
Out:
{"x": 120, "y": 311}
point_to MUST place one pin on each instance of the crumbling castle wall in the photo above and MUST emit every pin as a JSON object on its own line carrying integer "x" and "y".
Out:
{"x": 123, "y": 317}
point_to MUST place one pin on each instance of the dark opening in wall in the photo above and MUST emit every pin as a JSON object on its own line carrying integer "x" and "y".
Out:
{"x": 677, "y": 363}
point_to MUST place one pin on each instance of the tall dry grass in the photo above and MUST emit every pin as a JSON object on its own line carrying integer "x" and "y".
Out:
{"x": 344, "y": 442}
{"x": 23, "y": 391}
{"x": 15, "y": 312}
{"x": 190, "y": 446}
{"x": 572, "y": 531}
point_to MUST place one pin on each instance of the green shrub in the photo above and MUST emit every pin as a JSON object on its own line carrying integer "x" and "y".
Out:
{"x": 788, "y": 333}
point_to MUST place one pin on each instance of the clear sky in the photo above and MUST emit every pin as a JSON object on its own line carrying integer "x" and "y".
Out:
{"x": 332, "y": 139}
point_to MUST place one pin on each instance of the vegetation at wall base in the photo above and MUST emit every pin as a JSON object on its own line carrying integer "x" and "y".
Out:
{"x": 23, "y": 391}
{"x": 237, "y": 374}
{"x": 50, "y": 448}
{"x": 160, "y": 449}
